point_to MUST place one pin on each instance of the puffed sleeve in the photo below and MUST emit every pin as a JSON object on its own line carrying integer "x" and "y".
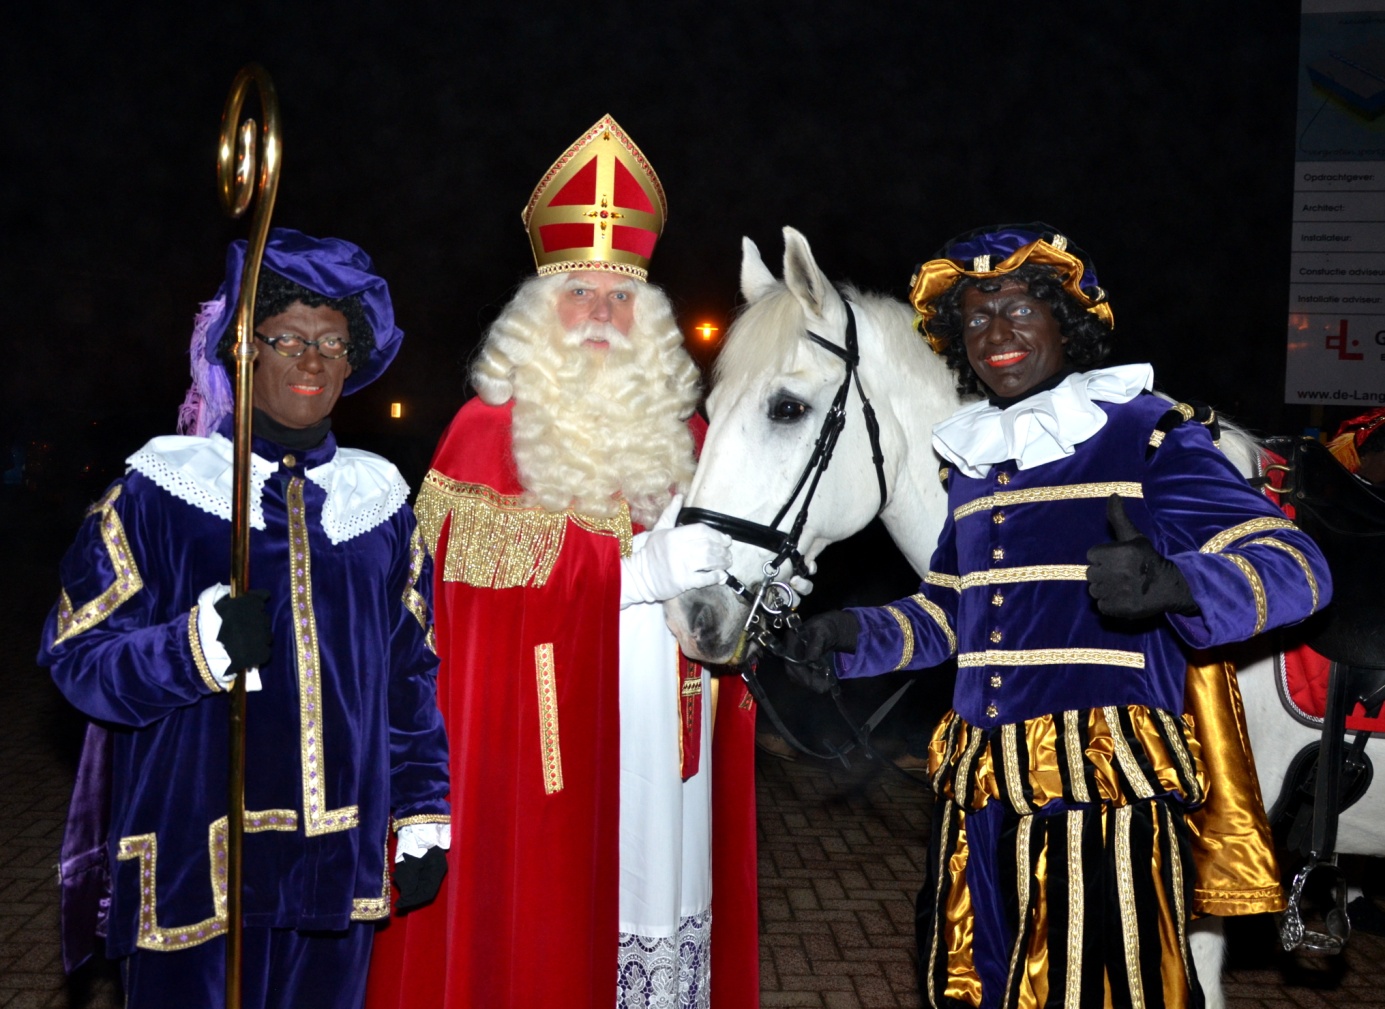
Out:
{"x": 1248, "y": 567}
{"x": 113, "y": 652}
{"x": 916, "y": 632}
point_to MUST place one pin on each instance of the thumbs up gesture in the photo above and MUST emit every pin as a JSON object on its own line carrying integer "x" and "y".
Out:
{"x": 1129, "y": 578}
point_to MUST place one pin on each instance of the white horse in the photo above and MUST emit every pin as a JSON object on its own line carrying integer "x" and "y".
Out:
{"x": 772, "y": 388}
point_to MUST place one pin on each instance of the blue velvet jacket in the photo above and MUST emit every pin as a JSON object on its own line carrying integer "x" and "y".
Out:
{"x": 1007, "y": 591}
{"x": 345, "y": 733}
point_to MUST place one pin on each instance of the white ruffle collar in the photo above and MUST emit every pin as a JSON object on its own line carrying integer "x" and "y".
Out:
{"x": 363, "y": 490}
{"x": 1045, "y": 427}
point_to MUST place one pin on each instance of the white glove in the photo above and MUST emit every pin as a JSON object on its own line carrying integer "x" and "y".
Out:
{"x": 416, "y": 838}
{"x": 208, "y": 627}
{"x": 669, "y": 560}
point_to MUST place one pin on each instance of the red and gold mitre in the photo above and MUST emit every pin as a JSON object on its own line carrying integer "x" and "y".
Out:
{"x": 600, "y": 207}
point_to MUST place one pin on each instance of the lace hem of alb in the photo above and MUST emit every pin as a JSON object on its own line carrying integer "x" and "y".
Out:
{"x": 669, "y": 972}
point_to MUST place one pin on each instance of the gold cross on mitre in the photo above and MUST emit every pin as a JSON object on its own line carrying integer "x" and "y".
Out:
{"x": 599, "y": 207}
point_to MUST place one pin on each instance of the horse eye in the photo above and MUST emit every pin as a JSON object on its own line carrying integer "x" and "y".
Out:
{"x": 787, "y": 410}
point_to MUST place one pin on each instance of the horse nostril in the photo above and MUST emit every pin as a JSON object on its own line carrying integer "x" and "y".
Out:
{"x": 701, "y": 619}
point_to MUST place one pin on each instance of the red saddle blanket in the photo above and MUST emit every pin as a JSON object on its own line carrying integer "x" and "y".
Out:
{"x": 1302, "y": 671}
{"x": 1303, "y": 685}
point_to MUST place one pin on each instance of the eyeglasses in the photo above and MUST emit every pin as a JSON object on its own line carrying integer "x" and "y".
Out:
{"x": 330, "y": 348}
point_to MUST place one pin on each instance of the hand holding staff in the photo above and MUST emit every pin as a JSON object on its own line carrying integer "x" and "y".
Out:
{"x": 241, "y": 177}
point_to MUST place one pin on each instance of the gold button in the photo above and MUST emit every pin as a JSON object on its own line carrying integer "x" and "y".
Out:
{"x": 997, "y": 599}
{"x": 995, "y": 681}
{"x": 995, "y": 637}
{"x": 1003, "y": 479}
{"x": 998, "y": 554}
{"x": 998, "y": 517}
{"x": 290, "y": 460}
{"x": 992, "y": 711}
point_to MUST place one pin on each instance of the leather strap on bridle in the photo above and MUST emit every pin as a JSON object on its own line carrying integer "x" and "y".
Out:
{"x": 784, "y": 544}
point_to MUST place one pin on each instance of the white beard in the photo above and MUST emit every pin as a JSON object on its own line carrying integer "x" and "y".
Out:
{"x": 594, "y": 425}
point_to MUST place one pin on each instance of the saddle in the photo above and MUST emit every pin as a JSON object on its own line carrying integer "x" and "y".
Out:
{"x": 1345, "y": 516}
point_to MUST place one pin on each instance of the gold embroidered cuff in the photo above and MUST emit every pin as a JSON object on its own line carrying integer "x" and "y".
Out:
{"x": 939, "y": 617}
{"x": 409, "y": 821}
{"x": 199, "y": 657}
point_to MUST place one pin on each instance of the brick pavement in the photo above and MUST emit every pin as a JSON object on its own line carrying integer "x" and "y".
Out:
{"x": 841, "y": 857}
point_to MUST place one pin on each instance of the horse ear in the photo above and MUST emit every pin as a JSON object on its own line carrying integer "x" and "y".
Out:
{"x": 808, "y": 283}
{"x": 756, "y": 280}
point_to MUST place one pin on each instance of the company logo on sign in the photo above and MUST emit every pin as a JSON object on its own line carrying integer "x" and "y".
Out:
{"x": 1339, "y": 342}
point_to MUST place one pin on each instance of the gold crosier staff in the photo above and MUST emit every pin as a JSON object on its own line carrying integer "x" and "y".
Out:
{"x": 236, "y": 175}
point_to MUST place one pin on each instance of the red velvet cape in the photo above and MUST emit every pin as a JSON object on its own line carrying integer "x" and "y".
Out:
{"x": 527, "y": 915}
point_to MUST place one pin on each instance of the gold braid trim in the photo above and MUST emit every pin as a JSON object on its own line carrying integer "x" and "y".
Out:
{"x": 199, "y": 657}
{"x": 1052, "y": 657}
{"x": 1176, "y": 866}
{"x": 374, "y": 908}
{"x": 1125, "y": 888}
{"x": 1125, "y": 756}
{"x": 1025, "y": 573}
{"x": 939, "y": 617}
{"x": 1024, "y": 874}
{"x": 1076, "y": 909}
{"x": 550, "y": 747}
{"x": 409, "y": 821}
{"x": 497, "y": 542}
{"x": 74, "y": 620}
{"x": 1040, "y": 495}
{"x": 145, "y": 849}
{"x": 1076, "y": 769}
{"x": 953, "y": 582}
{"x": 906, "y": 649}
{"x": 1257, "y": 589}
{"x": 1226, "y": 537}
{"x": 1297, "y": 555}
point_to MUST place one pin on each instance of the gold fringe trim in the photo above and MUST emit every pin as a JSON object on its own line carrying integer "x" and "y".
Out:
{"x": 497, "y": 542}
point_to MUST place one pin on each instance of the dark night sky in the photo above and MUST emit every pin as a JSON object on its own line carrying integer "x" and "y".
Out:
{"x": 1159, "y": 137}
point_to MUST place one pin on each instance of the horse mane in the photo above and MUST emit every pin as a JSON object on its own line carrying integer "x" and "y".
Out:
{"x": 778, "y": 323}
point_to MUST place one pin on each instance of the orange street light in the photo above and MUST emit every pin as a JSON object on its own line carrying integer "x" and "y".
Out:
{"x": 707, "y": 331}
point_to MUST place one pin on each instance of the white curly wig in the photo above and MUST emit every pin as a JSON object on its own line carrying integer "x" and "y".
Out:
{"x": 591, "y": 429}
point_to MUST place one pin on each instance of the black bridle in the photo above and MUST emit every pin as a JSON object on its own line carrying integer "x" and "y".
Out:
{"x": 773, "y": 603}
{"x": 784, "y": 545}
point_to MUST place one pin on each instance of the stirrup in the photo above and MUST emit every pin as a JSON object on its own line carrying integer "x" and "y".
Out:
{"x": 1294, "y": 936}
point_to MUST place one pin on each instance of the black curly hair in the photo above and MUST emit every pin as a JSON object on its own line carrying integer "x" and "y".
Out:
{"x": 275, "y": 293}
{"x": 1089, "y": 338}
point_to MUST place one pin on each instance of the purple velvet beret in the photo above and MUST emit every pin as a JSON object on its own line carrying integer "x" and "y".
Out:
{"x": 331, "y": 267}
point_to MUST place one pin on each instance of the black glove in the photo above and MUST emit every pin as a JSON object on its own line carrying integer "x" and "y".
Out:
{"x": 1129, "y": 578}
{"x": 245, "y": 628}
{"x": 418, "y": 878}
{"x": 807, "y": 650}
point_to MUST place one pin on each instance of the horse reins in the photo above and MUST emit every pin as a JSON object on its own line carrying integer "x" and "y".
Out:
{"x": 784, "y": 545}
{"x": 772, "y": 604}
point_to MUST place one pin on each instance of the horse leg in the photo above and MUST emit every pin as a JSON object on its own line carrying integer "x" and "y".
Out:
{"x": 1208, "y": 942}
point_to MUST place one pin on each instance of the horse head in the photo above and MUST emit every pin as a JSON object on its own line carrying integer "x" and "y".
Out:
{"x": 783, "y": 367}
